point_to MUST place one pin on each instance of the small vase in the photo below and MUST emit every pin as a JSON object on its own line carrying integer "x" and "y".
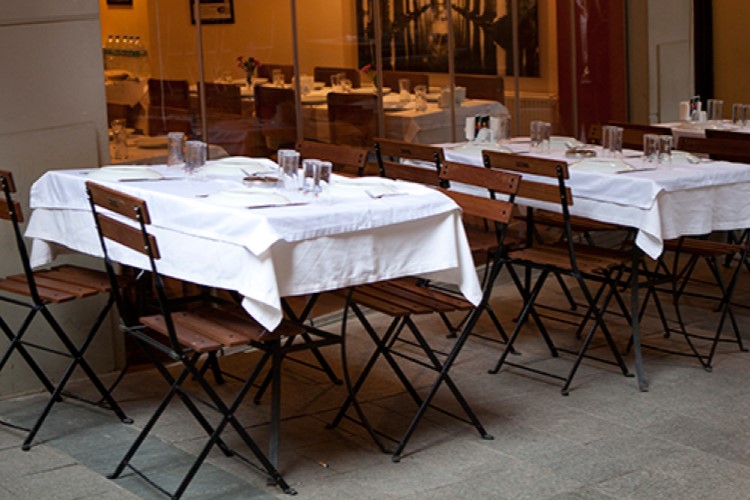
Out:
{"x": 249, "y": 78}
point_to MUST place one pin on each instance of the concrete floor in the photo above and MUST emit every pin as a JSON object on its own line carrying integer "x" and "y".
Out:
{"x": 688, "y": 437}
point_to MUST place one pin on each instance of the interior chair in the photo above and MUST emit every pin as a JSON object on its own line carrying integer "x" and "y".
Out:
{"x": 352, "y": 118}
{"x": 632, "y": 133}
{"x": 487, "y": 87}
{"x": 347, "y": 160}
{"x": 39, "y": 292}
{"x": 726, "y": 145}
{"x": 391, "y": 78}
{"x": 405, "y": 299}
{"x": 169, "y": 107}
{"x": 238, "y": 135}
{"x": 266, "y": 71}
{"x": 185, "y": 337}
{"x": 322, "y": 74}
{"x": 597, "y": 272}
{"x": 275, "y": 110}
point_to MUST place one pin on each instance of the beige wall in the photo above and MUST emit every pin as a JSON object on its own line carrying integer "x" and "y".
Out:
{"x": 326, "y": 28}
{"x": 731, "y": 52}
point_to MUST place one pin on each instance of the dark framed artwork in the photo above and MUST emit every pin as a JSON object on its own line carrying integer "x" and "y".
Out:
{"x": 119, "y": 2}
{"x": 214, "y": 11}
{"x": 415, "y": 35}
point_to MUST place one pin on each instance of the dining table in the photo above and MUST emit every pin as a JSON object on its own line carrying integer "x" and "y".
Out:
{"x": 660, "y": 201}
{"x": 264, "y": 244}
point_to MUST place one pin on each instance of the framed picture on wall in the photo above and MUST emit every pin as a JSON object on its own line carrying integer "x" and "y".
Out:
{"x": 214, "y": 11}
{"x": 119, "y": 2}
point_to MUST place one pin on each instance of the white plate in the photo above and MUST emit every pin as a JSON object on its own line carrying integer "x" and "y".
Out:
{"x": 475, "y": 147}
{"x": 363, "y": 186}
{"x": 156, "y": 142}
{"x": 240, "y": 165}
{"x": 561, "y": 142}
{"x": 685, "y": 157}
{"x": 124, "y": 173}
{"x": 247, "y": 198}
{"x": 602, "y": 165}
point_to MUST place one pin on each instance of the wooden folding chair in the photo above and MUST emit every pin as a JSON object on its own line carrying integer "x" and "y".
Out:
{"x": 584, "y": 264}
{"x": 347, "y": 160}
{"x": 36, "y": 291}
{"x": 487, "y": 87}
{"x": 352, "y": 118}
{"x": 186, "y": 336}
{"x": 168, "y": 107}
{"x": 404, "y": 299}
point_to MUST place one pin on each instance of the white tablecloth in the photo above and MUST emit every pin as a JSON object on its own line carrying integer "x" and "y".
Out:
{"x": 424, "y": 127}
{"x": 127, "y": 92}
{"x": 671, "y": 201}
{"x": 266, "y": 254}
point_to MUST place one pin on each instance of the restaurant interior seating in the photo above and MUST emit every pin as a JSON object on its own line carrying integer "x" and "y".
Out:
{"x": 323, "y": 74}
{"x": 352, "y": 118}
{"x": 227, "y": 127}
{"x": 186, "y": 336}
{"x": 36, "y": 291}
{"x": 487, "y": 87}
{"x": 391, "y": 78}
{"x": 169, "y": 107}
{"x": 275, "y": 110}
{"x": 347, "y": 160}
{"x": 404, "y": 299}
{"x": 265, "y": 70}
{"x": 588, "y": 266}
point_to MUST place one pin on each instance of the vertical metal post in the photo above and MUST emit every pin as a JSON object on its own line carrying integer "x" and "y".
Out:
{"x": 574, "y": 68}
{"x": 451, "y": 66}
{"x": 377, "y": 22}
{"x": 514, "y": 13}
{"x": 297, "y": 73}
{"x": 201, "y": 69}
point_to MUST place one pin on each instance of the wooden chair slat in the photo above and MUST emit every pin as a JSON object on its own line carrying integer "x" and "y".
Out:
{"x": 411, "y": 173}
{"x": 5, "y": 211}
{"x": 388, "y": 297}
{"x": 402, "y": 295}
{"x": 528, "y": 165}
{"x": 487, "y": 208}
{"x": 126, "y": 235}
{"x": 8, "y": 176}
{"x": 496, "y": 180}
{"x": 80, "y": 275}
{"x": 410, "y": 150}
{"x": 61, "y": 286}
{"x": 186, "y": 336}
{"x": 455, "y": 302}
{"x": 344, "y": 157}
{"x": 121, "y": 203}
{"x": 377, "y": 304}
{"x": 46, "y": 294}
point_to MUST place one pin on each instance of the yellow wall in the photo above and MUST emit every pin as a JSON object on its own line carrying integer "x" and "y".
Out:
{"x": 327, "y": 37}
{"x": 731, "y": 52}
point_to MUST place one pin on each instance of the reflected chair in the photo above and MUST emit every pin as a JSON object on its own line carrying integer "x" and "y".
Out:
{"x": 322, "y": 74}
{"x": 587, "y": 266}
{"x": 404, "y": 299}
{"x": 726, "y": 145}
{"x": 169, "y": 107}
{"x": 347, "y": 160}
{"x": 391, "y": 78}
{"x": 185, "y": 337}
{"x": 275, "y": 110}
{"x": 491, "y": 88}
{"x": 266, "y": 71}
{"x": 37, "y": 291}
{"x": 352, "y": 118}
{"x": 227, "y": 127}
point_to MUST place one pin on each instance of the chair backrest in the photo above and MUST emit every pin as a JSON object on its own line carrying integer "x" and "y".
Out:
{"x": 352, "y": 118}
{"x": 275, "y": 108}
{"x": 11, "y": 210}
{"x": 266, "y": 71}
{"x": 736, "y": 150}
{"x": 223, "y": 99}
{"x": 632, "y": 133}
{"x": 169, "y": 107}
{"x": 727, "y": 134}
{"x": 391, "y": 78}
{"x": 424, "y": 170}
{"x": 595, "y": 134}
{"x": 136, "y": 238}
{"x": 482, "y": 87}
{"x": 322, "y": 74}
{"x": 347, "y": 159}
{"x": 495, "y": 181}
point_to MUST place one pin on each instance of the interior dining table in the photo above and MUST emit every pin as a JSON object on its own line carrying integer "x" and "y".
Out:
{"x": 660, "y": 201}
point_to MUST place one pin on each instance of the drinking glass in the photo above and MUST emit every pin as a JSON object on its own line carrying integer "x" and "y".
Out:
{"x": 277, "y": 77}
{"x": 309, "y": 171}
{"x": 612, "y": 141}
{"x": 322, "y": 175}
{"x": 665, "y": 149}
{"x": 739, "y": 114}
{"x": 289, "y": 165}
{"x": 404, "y": 89}
{"x": 420, "y": 98}
{"x": 336, "y": 81}
{"x": 195, "y": 159}
{"x": 175, "y": 142}
{"x": 501, "y": 128}
{"x": 540, "y": 136}
{"x": 715, "y": 108}
{"x": 120, "y": 138}
{"x": 650, "y": 148}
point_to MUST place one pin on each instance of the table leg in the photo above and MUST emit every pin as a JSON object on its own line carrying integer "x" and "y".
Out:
{"x": 635, "y": 323}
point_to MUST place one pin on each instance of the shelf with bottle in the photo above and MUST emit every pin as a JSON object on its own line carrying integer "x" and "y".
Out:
{"x": 126, "y": 52}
